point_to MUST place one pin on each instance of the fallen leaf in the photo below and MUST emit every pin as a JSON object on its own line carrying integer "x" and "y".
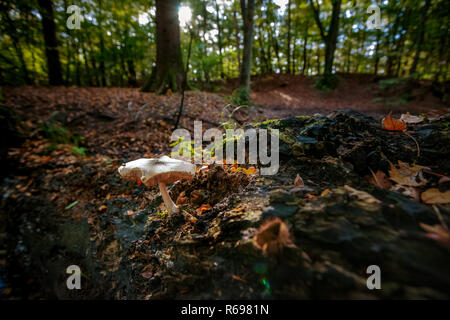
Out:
{"x": 392, "y": 124}
{"x": 437, "y": 233}
{"x": 272, "y": 237}
{"x": 23, "y": 189}
{"x": 130, "y": 212}
{"x": 407, "y": 175}
{"x": 250, "y": 171}
{"x": 235, "y": 277}
{"x": 407, "y": 191}
{"x": 102, "y": 208}
{"x": 311, "y": 196}
{"x": 325, "y": 192}
{"x": 203, "y": 207}
{"x": 433, "y": 195}
{"x": 444, "y": 180}
{"x": 409, "y": 119}
{"x": 147, "y": 274}
{"x": 362, "y": 195}
{"x": 182, "y": 199}
{"x": 298, "y": 182}
{"x": 380, "y": 180}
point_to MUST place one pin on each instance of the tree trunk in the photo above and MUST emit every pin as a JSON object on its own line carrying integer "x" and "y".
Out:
{"x": 377, "y": 56}
{"x": 305, "y": 43}
{"x": 288, "y": 51}
{"x": 420, "y": 37}
{"x": 236, "y": 35}
{"x": 219, "y": 39}
{"x": 168, "y": 73}
{"x": 51, "y": 42}
{"x": 248, "y": 9}
{"x": 330, "y": 38}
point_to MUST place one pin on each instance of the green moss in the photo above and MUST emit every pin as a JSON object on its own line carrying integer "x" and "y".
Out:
{"x": 303, "y": 117}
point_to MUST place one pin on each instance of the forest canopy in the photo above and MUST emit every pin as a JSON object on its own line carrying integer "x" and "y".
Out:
{"x": 116, "y": 42}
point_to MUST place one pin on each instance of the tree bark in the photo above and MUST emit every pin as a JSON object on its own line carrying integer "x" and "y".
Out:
{"x": 168, "y": 73}
{"x": 420, "y": 37}
{"x": 248, "y": 9}
{"x": 51, "y": 42}
{"x": 329, "y": 38}
{"x": 236, "y": 35}
{"x": 288, "y": 51}
{"x": 219, "y": 38}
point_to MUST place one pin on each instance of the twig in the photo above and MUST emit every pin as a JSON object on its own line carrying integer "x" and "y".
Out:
{"x": 417, "y": 144}
{"x": 441, "y": 220}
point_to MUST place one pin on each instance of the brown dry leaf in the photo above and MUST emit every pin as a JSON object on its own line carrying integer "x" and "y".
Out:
{"x": 433, "y": 195}
{"x": 25, "y": 188}
{"x": 407, "y": 191}
{"x": 147, "y": 274}
{"x": 444, "y": 180}
{"x": 130, "y": 212}
{"x": 379, "y": 179}
{"x": 325, "y": 192}
{"x": 298, "y": 182}
{"x": 203, "y": 207}
{"x": 409, "y": 119}
{"x": 235, "y": 277}
{"x": 407, "y": 175}
{"x": 250, "y": 171}
{"x": 362, "y": 195}
{"x": 311, "y": 196}
{"x": 437, "y": 233}
{"x": 182, "y": 199}
{"x": 272, "y": 237}
{"x": 392, "y": 124}
{"x": 102, "y": 208}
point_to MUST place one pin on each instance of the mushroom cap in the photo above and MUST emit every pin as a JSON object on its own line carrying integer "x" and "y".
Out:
{"x": 153, "y": 170}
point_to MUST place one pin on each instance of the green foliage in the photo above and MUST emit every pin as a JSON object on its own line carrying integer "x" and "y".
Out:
{"x": 386, "y": 84}
{"x": 60, "y": 135}
{"x": 240, "y": 97}
{"x": 327, "y": 83}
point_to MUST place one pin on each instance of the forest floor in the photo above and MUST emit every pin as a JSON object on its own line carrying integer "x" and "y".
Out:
{"x": 64, "y": 203}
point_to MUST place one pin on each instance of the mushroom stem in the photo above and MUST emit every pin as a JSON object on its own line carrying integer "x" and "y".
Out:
{"x": 171, "y": 207}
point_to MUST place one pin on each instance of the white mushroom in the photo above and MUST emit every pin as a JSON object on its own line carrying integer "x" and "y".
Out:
{"x": 159, "y": 171}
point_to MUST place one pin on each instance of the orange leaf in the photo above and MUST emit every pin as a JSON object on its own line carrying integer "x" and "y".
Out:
{"x": 379, "y": 179}
{"x": 311, "y": 196}
{"x": 203, "y": 207}
{"x": 325, "y": 192}
{"x": 393, "y": 124}
{"x": 437, "y": 233}
{"x": 433, "y": 195}
{"x": 298, "y": 182}
{"x": 235, "y": 277}
{"x": 102, "y": 208}
{"x": 182, "y": 199}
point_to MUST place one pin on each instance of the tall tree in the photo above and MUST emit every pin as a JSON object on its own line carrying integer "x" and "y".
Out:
{"x": 51, "y": 42}
{"x": 168, "y": 73}
{"x": 330, "y": 37}
{"x": 248, "y": 9}
{"x": 288, "y": 49}
{"x": 420, "y": 37}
